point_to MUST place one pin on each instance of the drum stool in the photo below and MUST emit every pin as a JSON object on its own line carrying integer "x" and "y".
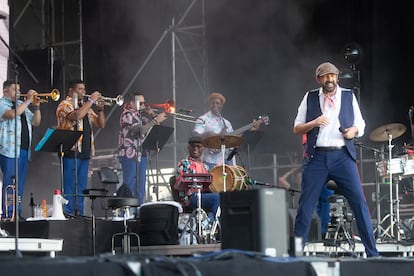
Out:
{"x": 124, "y": 203}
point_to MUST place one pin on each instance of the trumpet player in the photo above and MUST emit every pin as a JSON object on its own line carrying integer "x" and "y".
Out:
{"x": 73, "y": 113}
{"x": 22, "y": 135}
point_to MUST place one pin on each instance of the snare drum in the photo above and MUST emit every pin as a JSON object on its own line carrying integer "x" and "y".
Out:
{"x": 384, "y": 167}
{"x": 235, "y": 178}
{"x": 408, "y": 166}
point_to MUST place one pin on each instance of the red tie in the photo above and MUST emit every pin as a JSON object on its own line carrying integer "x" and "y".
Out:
{"x": 329, "y": 100}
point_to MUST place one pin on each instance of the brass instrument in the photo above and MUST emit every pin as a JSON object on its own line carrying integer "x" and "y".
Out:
{"x": 9, "y": 201}
{"x": 44, "y": 97}
{"x": 119, "y": 100}
{"x": 169, "y": 108}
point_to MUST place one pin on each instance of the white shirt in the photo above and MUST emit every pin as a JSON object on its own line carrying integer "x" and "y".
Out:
{"x": 329, "y": 135}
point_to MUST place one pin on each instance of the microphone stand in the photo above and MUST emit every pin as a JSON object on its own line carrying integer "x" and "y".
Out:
{"x": 76, "y": 210}
{"x": 410, "y": 118}
{"x": 16, "y": 179}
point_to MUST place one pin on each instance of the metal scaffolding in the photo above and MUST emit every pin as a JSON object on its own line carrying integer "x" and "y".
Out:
{"x": 54, "y": 26}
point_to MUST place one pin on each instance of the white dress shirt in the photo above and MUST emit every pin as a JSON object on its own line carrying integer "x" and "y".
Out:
{"x": 329, "y": 135}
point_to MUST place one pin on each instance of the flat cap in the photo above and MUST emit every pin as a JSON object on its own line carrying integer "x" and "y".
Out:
{"x": 326, "y": 68}
{"x": 195, "y": 139}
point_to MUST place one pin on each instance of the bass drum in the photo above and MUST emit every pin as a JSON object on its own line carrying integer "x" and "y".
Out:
{"x": 236, "y": 178}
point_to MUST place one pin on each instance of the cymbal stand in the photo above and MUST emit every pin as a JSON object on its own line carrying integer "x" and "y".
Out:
{"x": 379, "y": 229}
{"x": 224, "y": 174}
{"x": 394, "y": 221}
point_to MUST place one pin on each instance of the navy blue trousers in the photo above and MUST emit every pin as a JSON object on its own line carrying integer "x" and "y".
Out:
{"x": 338, "y": 166}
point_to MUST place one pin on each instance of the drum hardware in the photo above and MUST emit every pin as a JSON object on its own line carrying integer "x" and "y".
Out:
{"x": 204, "y": 230}
{"x": 199, "y": 215}
{"x": 222, "y": 142}
{"x": 382, "y": 134}
{"x": 377, "y": 155}
{"x": 340, "y": 224}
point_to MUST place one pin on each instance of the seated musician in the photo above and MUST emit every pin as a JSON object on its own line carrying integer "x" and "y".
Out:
{"x": 193, "y": 165}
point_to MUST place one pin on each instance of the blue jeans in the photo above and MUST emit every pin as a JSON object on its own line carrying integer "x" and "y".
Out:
{"x": 8, "y": 169}
{"x": 82, "y": 167}
{"x": 129, "y": 173}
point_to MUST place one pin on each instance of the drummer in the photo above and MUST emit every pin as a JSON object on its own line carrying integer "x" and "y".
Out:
{"x": 212, "y": 123}
{"x": 192, "y": 164}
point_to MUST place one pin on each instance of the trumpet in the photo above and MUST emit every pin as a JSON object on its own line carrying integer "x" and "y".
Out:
{"x": 170, "y": 107}
{"x": 9, "y": 201}
{"x": 119, "y": 100}
{"x": 44, "y": 97}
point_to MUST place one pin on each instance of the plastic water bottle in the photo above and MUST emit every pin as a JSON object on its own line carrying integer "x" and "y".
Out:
{"x": 44, "y": 208}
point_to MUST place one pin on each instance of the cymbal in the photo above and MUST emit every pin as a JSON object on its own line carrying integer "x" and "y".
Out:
{"x": 381, "y": 133}
{"x": 215, "y": 142}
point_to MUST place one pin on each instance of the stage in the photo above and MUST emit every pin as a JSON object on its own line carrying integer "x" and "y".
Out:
{"x": 76, "y": 255}
{"x": 226, "y": 262}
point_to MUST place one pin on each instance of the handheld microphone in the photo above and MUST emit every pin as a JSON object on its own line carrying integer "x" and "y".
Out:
{"x": 232, "y": 154}
{"x": 75, "y": 101}
{"x": 137, "y": 103}
{"x": 342, "y": 130}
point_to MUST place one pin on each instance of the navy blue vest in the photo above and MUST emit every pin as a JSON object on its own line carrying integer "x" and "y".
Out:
{"x": 346, "y": 119}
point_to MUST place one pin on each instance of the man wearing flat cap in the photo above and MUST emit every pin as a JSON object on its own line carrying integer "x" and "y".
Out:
{"x": 330, "y": 118}
{"x": 194, "y": 165}
{"x": 212, "y": 123}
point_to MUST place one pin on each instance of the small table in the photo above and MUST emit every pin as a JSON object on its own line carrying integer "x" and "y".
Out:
{"x": 33, "y": 245}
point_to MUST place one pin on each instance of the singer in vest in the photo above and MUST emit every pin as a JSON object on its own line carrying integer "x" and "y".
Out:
{"x": 330, "y": 153}
{"x": 76, "y": 113}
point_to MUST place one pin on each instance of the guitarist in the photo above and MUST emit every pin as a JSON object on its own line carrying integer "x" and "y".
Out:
{"x": 215, "y": 124}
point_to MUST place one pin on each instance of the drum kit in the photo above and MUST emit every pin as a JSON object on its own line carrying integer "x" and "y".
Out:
{"x": 222, "y": 178}
{"x": 391, "y": 170}
{"x": 225, "y": 177}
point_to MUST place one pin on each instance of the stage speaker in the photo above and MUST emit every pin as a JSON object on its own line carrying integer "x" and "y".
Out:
{"x": 255, "y": 220}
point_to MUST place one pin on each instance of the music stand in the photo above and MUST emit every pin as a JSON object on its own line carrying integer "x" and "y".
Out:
{"x": 155, "y": 139}
{"x": 250, "y": 140}
{"x": 58, "y": 140}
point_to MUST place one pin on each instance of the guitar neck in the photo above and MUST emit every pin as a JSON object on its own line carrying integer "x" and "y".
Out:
{"x": 241, "y": 129}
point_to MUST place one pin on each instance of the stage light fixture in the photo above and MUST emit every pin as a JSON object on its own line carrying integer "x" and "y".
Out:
{"x": 352, "y": 53}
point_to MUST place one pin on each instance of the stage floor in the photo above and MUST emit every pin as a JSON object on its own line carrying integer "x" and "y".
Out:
{"x": 312, "y": 249}
{"x": 75, "y": 256}
{"x": 222, "y": 262}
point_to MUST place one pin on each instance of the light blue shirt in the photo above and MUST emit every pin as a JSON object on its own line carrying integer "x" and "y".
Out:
{"x": 8, "y": 130}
